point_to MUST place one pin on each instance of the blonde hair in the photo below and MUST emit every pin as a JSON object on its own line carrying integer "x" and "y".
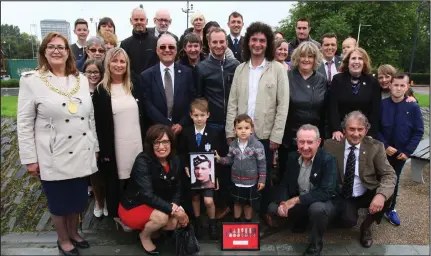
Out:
{"x": 306, "y": 48}
{"x": 367, "y": 61}
{"x": 107, "y": 79}
{"x": 196, "y": 15}
{"x": 387, "y": 69}
{"x": 109, "y": 37}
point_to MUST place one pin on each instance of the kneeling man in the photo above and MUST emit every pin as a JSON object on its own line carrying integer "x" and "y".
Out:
{"x": 366, "y": 179}
{"x": 307, "y": 188}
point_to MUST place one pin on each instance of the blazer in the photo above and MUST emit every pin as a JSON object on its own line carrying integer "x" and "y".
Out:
{"x": 375, "y": 171}
{"x": 342, "y": 101}
{"x": 323, "y": 176}
{"x": 152, "y": 31}
{"x": 337, "y": 63}
{"x": 150, "y": 185}
{"x": 272, "y": 102}
{"x": 151, "y": 84}
{"x": 237, "y": 54}
{"x": 64, "y": 144}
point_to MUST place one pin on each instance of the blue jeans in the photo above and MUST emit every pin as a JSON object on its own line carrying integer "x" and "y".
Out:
{"x": 398, "y": 167}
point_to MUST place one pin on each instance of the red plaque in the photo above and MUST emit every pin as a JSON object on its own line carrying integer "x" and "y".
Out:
{"x": 240, "y": 236}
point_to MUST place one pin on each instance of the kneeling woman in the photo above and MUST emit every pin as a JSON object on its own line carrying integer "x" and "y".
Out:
{"x": 152, "y": 196}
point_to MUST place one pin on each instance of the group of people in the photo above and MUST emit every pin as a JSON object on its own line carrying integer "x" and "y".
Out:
{"x": 128, "y": 118}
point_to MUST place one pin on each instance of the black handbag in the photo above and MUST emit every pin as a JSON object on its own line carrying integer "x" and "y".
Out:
{"x": 186, "y": 241}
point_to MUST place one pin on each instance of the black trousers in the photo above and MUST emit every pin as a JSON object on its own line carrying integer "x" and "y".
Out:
{"x": 266, "y": 192}
{"x": 347, "y": 210}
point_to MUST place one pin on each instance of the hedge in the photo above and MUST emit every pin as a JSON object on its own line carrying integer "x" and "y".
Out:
{"x": 11, "y": 83}
{"x": 420, "y": 78}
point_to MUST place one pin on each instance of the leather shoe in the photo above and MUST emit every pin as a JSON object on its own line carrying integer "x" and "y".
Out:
{"x": 366, "y": 238}
{"x": 73, "y": 252}
{"x": 268, "y": 220}
{"x": 153, "y": 252}
{"x": 313, "y": 249}
{"x": 83, "y": 244}
{"x": 221, "y": 213}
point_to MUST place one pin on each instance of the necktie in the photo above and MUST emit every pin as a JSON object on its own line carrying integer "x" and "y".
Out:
{"x": 355, "y": 88}
{"x": 349, "y": 174}
{"x": 329, "y": 64}
{"x": 169, "y": 92}
{"x": 198, "y": 138}
{"x": 235, "y": 45}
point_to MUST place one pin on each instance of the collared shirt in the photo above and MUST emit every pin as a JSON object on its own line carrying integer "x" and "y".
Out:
{"x": 78, "y": 44}
{"x": 156, "y": 32}
{"x": 242, "y": 146}
{"x": 233, "y": 38}
{"x": 201, "y": 131}
{"x": 304, "y": 183}
{"x": 358, "y": 189}
{"x": 334, "y": 70}
{"x": 253, "y": 86}
{"x": 171, "y": 71}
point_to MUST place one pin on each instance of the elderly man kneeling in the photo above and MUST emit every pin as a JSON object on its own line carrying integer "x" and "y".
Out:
{"x": 307, "y": 188}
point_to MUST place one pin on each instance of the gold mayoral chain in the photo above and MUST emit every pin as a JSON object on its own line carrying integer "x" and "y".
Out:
{"x": 71, "y": 106}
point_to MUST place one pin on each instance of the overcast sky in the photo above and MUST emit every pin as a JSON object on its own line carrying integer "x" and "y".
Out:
{"x": 22, "y": 14}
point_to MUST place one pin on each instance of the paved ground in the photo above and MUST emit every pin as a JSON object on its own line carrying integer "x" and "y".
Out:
{"x": 119, "y": 243}
{"x": 421, "y": 89}
{"x": 9, "y": 91}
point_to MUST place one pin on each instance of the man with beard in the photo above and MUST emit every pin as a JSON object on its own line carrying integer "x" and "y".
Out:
{"x": 214, "y": 79}
{"x": 260, "y": 88}
{"x": 235, "y": 24}
{"x": 162, "y": 20}
{"x": 331, "y": 63}
{"x": 140, "y": 47}
{"x": 303, "y": 28}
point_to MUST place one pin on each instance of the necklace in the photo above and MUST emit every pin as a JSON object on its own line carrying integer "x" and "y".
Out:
{"x": 71, "y": 105}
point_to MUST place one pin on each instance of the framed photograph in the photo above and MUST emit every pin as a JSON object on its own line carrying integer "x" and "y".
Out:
{"x": 202, "y": 170}
{"x": 240, "y": 236}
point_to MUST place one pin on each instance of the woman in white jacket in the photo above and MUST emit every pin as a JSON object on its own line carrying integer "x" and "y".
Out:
{"x": 56, "y": 136}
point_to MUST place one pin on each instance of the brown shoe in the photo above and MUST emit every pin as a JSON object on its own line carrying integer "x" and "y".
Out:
{"x": 268, "y": 220}
{"x": 221, "y": 213}
{"x": 366, "y": 238}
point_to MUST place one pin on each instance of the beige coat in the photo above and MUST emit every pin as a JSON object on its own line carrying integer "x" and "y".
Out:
{"x": 272, "y": 103}
{"x": 63, "y": 144}
{"x": 375, "y": 171}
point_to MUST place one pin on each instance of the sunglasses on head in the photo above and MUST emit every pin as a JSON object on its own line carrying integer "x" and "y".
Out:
{"x": 96, "y": 50}
{"x": 170, "y": 47}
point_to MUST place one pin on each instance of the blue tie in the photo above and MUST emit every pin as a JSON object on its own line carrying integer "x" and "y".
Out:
{"x": 235, "y": 44}
{"x": 198, "y": 138}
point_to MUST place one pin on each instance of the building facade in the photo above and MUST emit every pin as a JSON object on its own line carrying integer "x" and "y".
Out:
{"x": 60, "y": 26}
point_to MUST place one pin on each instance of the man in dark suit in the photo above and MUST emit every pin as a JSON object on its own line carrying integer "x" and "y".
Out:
{"x": 365, "y": 177}
{"x": 162, "y": 20}
{"x": 234, "y": 39}
{"x": 308, "y": 187}
{"x": 168, "y": 87}
{"x": 331, "y": 63}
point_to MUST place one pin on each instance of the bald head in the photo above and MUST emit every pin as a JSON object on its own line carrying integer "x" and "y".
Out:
{"x": 139, "y": 20}
{"x": 166, "y": 39}
{"x": 162, "y": 20}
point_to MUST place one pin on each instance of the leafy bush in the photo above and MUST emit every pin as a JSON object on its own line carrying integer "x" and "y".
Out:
{"x": 420, "y": 78}
{"x": 11, "y": 83}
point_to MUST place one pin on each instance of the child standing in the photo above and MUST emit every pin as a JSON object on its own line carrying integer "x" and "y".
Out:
{"x": 247, "y": 157}
{"x": 401, "y": 130}
{"x": 199, "y": 138}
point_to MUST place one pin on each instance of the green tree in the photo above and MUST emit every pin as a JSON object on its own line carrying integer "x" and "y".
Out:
{"x": 17, "y": 45}
{"x": 388, "y": 40}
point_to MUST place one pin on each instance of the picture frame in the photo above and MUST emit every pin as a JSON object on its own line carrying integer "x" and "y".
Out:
{"x": 240, "y": 236}
{"x": 202, "y": 170}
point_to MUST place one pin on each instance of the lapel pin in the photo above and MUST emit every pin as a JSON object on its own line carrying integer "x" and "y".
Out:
{"x": 364, "y": 83}
{"x": 315, "y": 174}
{"x": 136, "y": 100}
{"x": 179, "y": 71}
{"x": 363, "y": 152}
{"x": 206, "y": 133}
{"x": 407, "y": 113}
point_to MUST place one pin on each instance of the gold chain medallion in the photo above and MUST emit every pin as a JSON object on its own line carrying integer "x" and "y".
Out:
{"x": 71, "y": 106}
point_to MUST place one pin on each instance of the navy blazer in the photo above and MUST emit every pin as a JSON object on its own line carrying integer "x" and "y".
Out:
{"x": 151, "y": 84}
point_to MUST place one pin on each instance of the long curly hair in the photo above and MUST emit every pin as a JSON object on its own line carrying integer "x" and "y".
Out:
{"x": 258, "y": 27}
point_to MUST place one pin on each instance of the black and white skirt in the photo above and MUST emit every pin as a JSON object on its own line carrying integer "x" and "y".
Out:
{"x": 246, "y": 196}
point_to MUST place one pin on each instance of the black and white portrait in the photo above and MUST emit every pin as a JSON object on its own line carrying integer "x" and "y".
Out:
{"x": 202, "y": 171}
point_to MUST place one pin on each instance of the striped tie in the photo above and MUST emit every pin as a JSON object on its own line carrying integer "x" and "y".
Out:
{"x": 349, "y": 174}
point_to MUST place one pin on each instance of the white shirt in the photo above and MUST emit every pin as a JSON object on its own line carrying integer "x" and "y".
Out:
{"x": 358, "y": 189}
{"x": 78, "y": 44}
{"x": 201, "y": 131}
{"x": 156, "y": 32}
{"x": 171, "y": 71}
{"x": 242, "y": 147}
{"x": 233, "y": 38}
{"x": 253, "y": 86}
{"x": 333, "y": 68}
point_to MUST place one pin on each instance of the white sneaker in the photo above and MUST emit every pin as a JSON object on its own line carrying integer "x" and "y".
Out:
{"x": 97, "y": 212}
{"x": 105, "y": 210}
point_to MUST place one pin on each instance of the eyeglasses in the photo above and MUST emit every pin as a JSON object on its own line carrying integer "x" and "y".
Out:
{"x": 51, "y": 48}
{"x": 162, "y": 142}
{"x": 93, "y": 50}
{"x": 164, "y": 20}
{"x": 92, "y": 72}
{"x": 170, "y": 47}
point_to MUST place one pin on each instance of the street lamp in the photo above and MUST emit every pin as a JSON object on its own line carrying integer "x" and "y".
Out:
{"x": 419, "y": 10}
{"x": 95, "y": 22}
{"x": 10, "y": 53}
{"x": 359, "y": 31}
{"x": 187, "y": 11}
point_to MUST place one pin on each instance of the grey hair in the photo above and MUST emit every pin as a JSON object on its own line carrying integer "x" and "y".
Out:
{"x": 138, "y": 9}
{"x": 306, "y": 48}
{"x": 166, "y": 35}
{"x": 356, "y": 115}
{"x": 309, "y": 127}
{"x": 95, "y": 40}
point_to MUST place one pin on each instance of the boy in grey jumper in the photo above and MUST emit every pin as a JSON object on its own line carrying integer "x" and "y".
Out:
{"x": 247, "y": 157}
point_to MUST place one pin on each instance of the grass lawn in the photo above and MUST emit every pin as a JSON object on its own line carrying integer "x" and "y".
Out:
{"x": 423, "y": 99}
{"x": 9, "y": 106}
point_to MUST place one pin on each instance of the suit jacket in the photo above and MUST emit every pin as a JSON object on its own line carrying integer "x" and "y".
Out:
{"x": 151, "y": 84}
{"x": 375, "y": 171}
{"x": 152, "y": 31}
{"x": 238, "y": 54}
{"x": 321, "y": 69}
